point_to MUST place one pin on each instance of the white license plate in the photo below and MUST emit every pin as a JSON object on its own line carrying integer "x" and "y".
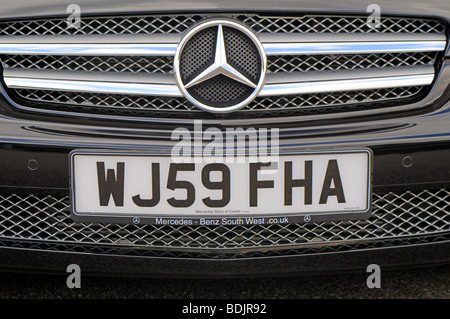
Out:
{"x": 143, "y": 188}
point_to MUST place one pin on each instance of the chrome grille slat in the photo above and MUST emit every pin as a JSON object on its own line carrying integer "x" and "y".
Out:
{"x": 305, "y": 48}
{"x": 164, "y": 65}
{"x": 276, "y": 84}
{"x": 297, "y": 47}
{"x": 395, "y": 215}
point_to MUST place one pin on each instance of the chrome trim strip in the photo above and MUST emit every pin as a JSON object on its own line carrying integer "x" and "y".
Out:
{"x": 345, "y": 85}
{"x": 173, "y": 38}
{"x": 103, "y": 49}
{"x": 93, "y": 76}
{"x": 349, "y": 81}
{"x": 93, "y": 87}
{"x": 332, "y": 75}
{"x": 168, "y": 79}
{"x": 267, "y": 37}
{"x": 352, "y": 47}
{"x": 264, "y": 37}
{"x": 139, "y": 48}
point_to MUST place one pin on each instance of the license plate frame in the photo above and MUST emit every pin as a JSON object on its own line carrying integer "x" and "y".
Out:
{"x": 208, "y": 219}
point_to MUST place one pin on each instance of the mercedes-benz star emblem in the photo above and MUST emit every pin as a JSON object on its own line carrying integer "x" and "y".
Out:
{"x": 220, "y": 66}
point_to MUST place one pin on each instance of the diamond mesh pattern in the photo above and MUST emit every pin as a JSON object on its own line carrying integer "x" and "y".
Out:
{"x": 395, "y": 215}
{"x": 106, "y": 25}
{"x": 179, "y": 24}
{"x": 126, "y": 102}
{"x": 165, "y": 64}
{"x": 220, "y": 90}
{"x": 305, "y": 63}
{"x": 339, "y": 24}
{"x": 197, "y": 53}
{"x": 335, "y": 99}
{"x": 88, "y": 63}
{"x": 242, "y": 53}
{"x": 76, "y": 101}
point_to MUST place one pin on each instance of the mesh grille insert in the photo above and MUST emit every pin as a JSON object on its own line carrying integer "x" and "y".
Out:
{"x": 395, "y": 215}
{"x": 298, "y": 104}
{"x": 87, "y": 63}
{"x": 220, "y": 90}
{"x": 305, "y": 63}
{"x": 181, "y": 23}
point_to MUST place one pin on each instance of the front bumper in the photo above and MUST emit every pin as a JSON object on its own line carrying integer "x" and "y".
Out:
{"x": 48, "y": 259}
{"x": 34, "y": 160}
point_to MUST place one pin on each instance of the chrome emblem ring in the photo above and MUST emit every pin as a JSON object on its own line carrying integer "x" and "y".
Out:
{"x": 220, "y": 66}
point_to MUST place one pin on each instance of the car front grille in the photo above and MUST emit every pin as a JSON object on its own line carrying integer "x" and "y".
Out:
{"x": 396, "y": 216}
{"x": 404, "y": 51}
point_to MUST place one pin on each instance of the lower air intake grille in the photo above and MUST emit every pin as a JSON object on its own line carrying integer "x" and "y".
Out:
{"x": 395, "y": 215}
